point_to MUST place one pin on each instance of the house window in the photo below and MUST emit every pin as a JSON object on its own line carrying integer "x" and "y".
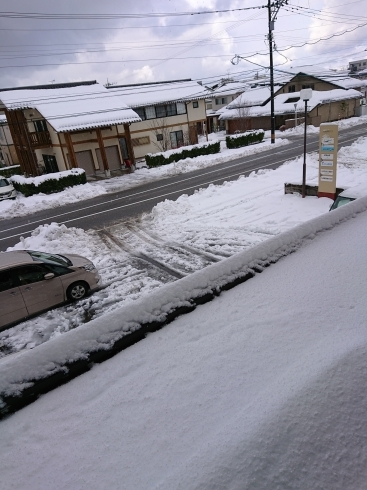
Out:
{"x": 176, "y": 139}
{"x": 195, "y": 104}
{"x": 140, "y": 112}
{"x": 292, "y": 99}
{"x": 291, "y": 88}
{"x": 181, "y": 108}
{"x": 40, "y": 125}
{"x": 144, "y": 140}
{"x": 159, "y": 137}
{"x": 209, "y": 106}
{"x": 310, "y": 85}
{"x": 221, "y": 100}
{"x": 150, "y": 112}
{"x": 171, "y": 110}
{"x": 161, "y": 111}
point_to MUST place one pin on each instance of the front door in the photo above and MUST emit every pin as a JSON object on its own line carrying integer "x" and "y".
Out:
{"x": 39, "y": 293}
{"x": 12, "y": 306}
{"x": 50, "y": 164}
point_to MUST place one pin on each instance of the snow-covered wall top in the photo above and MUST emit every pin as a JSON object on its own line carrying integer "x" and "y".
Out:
{"x": 160, "y": 93}
{"x": 281, "y": 106}
{"x": 67, "y": 109}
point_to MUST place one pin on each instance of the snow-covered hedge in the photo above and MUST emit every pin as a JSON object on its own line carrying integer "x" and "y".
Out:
{"x": 9, "y": 171}
{"x": 49, "y": 183}
{"x": 193, "y": 151}
{"x": 245, "y": 139}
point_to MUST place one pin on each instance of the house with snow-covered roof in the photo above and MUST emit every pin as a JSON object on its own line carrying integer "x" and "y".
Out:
{"x": 332, "y": 99}
{"x": 73, "y": 125}
{"x": 172, "y": 114}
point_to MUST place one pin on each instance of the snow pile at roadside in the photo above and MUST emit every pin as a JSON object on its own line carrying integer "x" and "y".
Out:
{"x": 29, "y": 205}
{"x": 18, "y": 371}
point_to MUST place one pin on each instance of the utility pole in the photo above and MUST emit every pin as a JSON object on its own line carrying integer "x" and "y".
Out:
{"x": 273, "y": 9}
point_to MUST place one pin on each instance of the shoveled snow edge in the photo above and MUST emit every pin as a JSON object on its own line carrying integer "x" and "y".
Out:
{"x": 24, "y": 374}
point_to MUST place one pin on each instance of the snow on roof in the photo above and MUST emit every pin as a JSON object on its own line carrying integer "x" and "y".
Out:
{"x": 229, "y": 88}
{"x": 67, "y": 109}
{"x": 284, "y": 103}
{"x": 160, "y": 93}
{"x": 251, "y": 97}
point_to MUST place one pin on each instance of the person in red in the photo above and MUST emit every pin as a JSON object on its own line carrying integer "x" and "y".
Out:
{"x": 129, "y": 165}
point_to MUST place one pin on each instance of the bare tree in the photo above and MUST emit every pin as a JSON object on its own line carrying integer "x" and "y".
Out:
{"x": 161, "y": 132}
{"x": 243, "y": 119}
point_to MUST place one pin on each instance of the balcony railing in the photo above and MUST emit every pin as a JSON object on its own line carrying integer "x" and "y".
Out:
{"x": 41, "y": 138}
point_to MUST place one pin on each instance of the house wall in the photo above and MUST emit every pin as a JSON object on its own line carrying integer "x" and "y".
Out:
{"x": 335, "y": 110}
{"x": 149, "y": 128}
{"x": 299, "y": 81}
{"x": 87, "y": 140}
{"x": 7, "y": 146}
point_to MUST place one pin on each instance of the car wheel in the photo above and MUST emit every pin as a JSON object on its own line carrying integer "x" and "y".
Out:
{"x": 77, "y": 291}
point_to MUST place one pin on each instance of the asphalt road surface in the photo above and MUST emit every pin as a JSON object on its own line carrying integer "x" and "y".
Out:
{"x": 111, "y": 208}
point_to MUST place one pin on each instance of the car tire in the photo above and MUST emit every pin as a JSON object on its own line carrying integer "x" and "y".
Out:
{"x": 77, "y": 290}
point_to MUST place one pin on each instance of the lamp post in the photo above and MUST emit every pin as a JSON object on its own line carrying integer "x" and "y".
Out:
{"x": 306, "y": 95}
{"x": 295, "y": 110}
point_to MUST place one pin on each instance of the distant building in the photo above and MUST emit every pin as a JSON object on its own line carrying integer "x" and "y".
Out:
{"x": 358, "y": 65}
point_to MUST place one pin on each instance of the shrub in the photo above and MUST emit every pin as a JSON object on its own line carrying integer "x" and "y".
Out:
{"x": 9, "y": 171}
{"x": 244, "y": 139}
{"x": 50, "y": 183}
{"x": 160, "y": 159}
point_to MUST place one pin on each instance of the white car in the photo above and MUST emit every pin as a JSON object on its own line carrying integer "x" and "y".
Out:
{"x": 7, "y": 190}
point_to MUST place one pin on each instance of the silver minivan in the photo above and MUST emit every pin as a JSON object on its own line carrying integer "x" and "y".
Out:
{"x": 32, "y": 282}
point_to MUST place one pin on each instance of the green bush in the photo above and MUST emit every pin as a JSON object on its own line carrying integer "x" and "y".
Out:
{"x": 159, "y": 159}
{"x": 30, "y": 186}
{"x": 246, "y": 139}
{"x": 9, "y": 171}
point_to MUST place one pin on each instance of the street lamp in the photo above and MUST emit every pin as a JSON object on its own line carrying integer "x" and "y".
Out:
{"x": 295, "y": 110}
{"x": 306, "y": 95}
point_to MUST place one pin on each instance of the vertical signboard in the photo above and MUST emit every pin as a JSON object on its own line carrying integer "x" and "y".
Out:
{"x": 328, "y": 151}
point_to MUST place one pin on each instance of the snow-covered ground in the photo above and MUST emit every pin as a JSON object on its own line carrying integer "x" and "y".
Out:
{"x": 178, "y": 238}
{"x": 262, "y": 388}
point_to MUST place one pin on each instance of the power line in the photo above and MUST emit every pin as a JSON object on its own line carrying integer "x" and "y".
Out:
{"x": 53, "y": 16}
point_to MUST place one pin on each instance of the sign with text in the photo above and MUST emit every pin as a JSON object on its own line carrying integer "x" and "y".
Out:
{"x": 328, "y": 151}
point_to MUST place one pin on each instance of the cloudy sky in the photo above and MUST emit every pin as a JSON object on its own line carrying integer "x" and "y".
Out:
{"x": 131, "y": 41}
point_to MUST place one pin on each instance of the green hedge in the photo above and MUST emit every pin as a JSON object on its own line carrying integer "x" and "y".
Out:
{"x": 49, "y": 186}
{"x": 159, "y": 159}
{"x": 9, "y": 171}
{"x": 246, "y": 139}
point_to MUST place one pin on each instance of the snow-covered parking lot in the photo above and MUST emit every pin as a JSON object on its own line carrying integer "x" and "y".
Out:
{"x": 178, "y": 238}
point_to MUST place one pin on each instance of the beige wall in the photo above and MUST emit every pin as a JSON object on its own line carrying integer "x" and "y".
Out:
{"x": 7, "y": 146}
{"x": 173, "y": 123}
{"x": 319, "y": 85}
{"x": 336, "y": 110}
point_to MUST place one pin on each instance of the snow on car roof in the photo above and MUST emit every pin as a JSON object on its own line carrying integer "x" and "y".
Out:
{"x": 356, "y": 191}
{"x": 16, "y": 257}
{"x": 71, "y": 108}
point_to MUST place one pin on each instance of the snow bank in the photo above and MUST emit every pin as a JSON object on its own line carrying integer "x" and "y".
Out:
{"x": 69, "y": 355}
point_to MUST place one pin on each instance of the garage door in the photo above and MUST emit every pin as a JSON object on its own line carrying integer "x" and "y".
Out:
{"x": 85, "y": 161}
{"x": 113, "y": 157}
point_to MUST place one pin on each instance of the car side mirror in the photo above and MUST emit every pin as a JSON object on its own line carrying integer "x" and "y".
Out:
{"x": 49, "y": 275}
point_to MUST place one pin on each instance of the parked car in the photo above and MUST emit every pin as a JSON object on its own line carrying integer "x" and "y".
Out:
{"x": 7, "y": 190}
{"x": 32, "y": 282}
{"x": 349, "y": 195}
